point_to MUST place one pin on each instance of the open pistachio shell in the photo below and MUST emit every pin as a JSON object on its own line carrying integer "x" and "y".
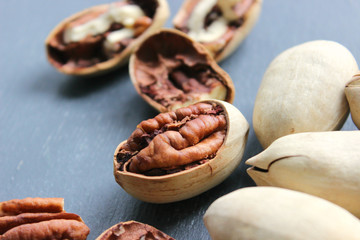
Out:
{"x": 231, "y": 20}
{"x": 133, "y": 230}
{"x": 352, "y": 92}
{"x": 89, "y": 56}
{"x": 169, "y": 70}
{"x": 271, "y": 213}
{"x": 325, "y": 164}
{"x": 167, "y": 184}
{"x": 303, "y": 91}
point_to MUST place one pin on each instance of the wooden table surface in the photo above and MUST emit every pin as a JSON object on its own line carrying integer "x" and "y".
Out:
{"x": 58, "y": 133}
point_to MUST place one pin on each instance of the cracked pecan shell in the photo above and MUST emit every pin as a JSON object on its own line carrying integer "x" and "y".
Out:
{"x": 169, "y": 70}
{"x": 352, "y": 92}
{"x": 39, "y": 218}
{"x": 236, "y": 17}
{"x": 182, "y": 153}
{"x": 133, "y": 230}
{"x": 90, "y": 55}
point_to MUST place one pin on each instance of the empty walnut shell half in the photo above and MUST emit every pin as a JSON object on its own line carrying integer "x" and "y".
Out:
{"x": 220, "y": 25}
{"x": 180, "y": 154}
{"x": 170, "y": 70}
{"x": 352, "y": 92}
{"x": 133, "y": 230}
{"x": 101, "y": 38}
{"x": 39, "y": 218}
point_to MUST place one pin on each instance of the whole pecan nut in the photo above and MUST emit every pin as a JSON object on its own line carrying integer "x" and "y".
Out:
{"x": 39, "y": 218}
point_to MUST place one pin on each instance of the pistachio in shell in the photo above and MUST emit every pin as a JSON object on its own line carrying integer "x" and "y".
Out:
{"x": 325, "y": 164}
{"x": 101, "y": 38}
{"x": 180, "y": 154}
{"x": 133, "y": 230}
{"x": 272, "y": 213}
{"x": 170, "y": 70}
{"x": 352, "y": 92}
{"x": 303, "y": 91}
{"x": 220, "y": 25}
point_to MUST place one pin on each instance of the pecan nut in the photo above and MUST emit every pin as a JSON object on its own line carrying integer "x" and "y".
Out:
{"x": 101, "y": 38}
{"x": 179, "y": 154}
{"x": 39, "y": 218}
{"x": 133, "y": 230}
{"x": 170, "y": 70}
{"x": 220, "y": 25}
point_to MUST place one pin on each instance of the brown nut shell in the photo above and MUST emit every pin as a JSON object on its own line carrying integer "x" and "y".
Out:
{"x": 247, "y": 12}
{"x": 133, "y": 230}
{"x": 166, "y": 184}
{"x": 90, "y": 59}
{"x": 352, "y": 92}
{"x": 39, "y": 218}
{"x": 169, "y": 70}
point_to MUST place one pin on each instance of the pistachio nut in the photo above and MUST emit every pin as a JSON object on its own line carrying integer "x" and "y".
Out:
{"x": 352, "y": 92}
{"x": 272, "y": 213}
{"x": 303, "y": 91}
{"x": 325, "y": 164}
{"x": 219, "y": 25}
{"x": 169, "y": 70}
{"x": 101, "y": 38}
{"x": 180, "y": 154}
{"x": 133, "y": 230}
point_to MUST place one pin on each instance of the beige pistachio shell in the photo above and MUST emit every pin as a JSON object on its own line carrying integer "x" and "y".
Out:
{"x": 189, "y": 183}
{"x": 259, "y": 213}
{"x": 161, "y": 15}
{"x": 250, "y": 18}
{"x": 303, "y": 91}
{"x": 325, "y": 164}
{"x": 352, "y": 92}
{"x": 175, "y": 47}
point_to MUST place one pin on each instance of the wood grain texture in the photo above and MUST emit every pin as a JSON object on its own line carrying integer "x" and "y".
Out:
{"x": 58, "y": 133}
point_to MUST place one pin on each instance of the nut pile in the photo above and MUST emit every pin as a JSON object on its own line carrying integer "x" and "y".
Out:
{"x": 39, "y": 218}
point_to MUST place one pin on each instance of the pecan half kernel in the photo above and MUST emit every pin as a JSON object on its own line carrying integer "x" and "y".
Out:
{"x": 173, "y": 141}
{"x": 133, "y": 230}
{"x": 39, "y": 218}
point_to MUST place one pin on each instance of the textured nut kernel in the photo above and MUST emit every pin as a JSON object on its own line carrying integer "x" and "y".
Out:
{"x": 133, "y": 230}
{"x": 107, "y": 45}
{"x": 259, "y": 213}
{"x": 325, "y": 164}
{"x": 39, "y": 218}
{"x": 31, "y": 205}
{"x": 220, "y": 25}
{"x": 352, "y": 92}
{"x": 169, "y": 70}
{"x": 180, "y": 154}
{"x": 303, "y": 91}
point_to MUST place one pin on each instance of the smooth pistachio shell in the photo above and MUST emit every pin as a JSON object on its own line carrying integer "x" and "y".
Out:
{"x": 161, "y": 15}
{"x": 325, "y": 164}
{"x": 189, "y": 183}
{"x": 303, "y": 91}
{"x": 250, "y": 18}
{"x": 259, "y": 213}
{"x": 352, "y": 92}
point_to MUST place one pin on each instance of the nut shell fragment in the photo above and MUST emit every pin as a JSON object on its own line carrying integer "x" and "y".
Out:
{"x": 303, "y": 91}
{"x": 169, "y": 70}
{"x": 241, "y": 16}
{"x": 182, "y": 182}
{"x": 352, "y": 92}
{"x": 259, "y": 213}
{"x": 324, "y": 164}
{"x": 133, "y": 230}
{"x": 90, "y": 56}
